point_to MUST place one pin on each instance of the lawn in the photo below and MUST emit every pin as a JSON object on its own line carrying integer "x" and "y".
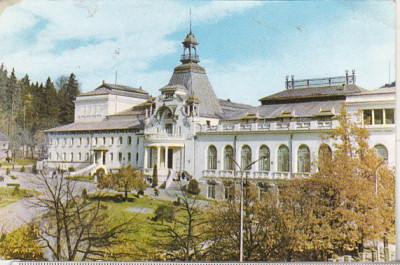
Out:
{"x": 12, "y": 194}
{"x": 139, "y": 241}
{"x": 19, "y": 161}
{"x": 81, "y": 178}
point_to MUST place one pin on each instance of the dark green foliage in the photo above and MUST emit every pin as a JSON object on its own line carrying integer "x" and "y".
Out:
{"x": 163, "y": 213}
{"x": 27, "y": 108}
{"x": 23, "y": 169}
{"x": 154, "y": 182}
{"x": 34, "y": 169}
{"x": 193, "y": 187}
{"x": 84, "y": 193}
{"x": 16, "y": 191}
{"x": 8, "y": 171}
{"x": 71, "y": 169}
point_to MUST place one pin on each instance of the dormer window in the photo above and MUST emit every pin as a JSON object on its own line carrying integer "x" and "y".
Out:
{"x": 169, "y": 95}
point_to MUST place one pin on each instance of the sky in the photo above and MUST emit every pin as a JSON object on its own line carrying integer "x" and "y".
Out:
{"x": 246, "y": 47}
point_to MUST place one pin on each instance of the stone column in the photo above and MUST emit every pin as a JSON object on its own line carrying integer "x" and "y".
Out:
{"x": 158, "y": 156}
{"x": 166, "y": 157}
{"x": 145, "y": 158}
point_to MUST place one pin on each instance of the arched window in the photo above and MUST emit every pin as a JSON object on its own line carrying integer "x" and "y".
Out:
{"x": 212, "y": 157}
{"x": 324, "y": 155}
{"x": 303, "y": 159}
{"x": 283, "y": 158}
{"x": 228, "y": 156}
{"x": 263, "y": 164}
{"x": 381, "y": 151}
{"x": 245, "y": 157}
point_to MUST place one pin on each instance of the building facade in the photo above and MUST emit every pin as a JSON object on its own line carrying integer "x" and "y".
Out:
{"x": 187, "y": 130}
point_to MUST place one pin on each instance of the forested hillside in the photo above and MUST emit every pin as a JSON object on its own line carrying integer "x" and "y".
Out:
{"x": 29, "y": 107}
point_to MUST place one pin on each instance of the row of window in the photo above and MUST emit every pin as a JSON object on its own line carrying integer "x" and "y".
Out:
{"x": 378, "y": 116}
{"x": 264, "y": 164}
{"x": 95, "y": 141}
{"x": 79, "y": 157}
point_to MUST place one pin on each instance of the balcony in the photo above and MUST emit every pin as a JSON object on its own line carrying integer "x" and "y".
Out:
{"x": 252, "y": 175}
{"x": 272, "y": 126}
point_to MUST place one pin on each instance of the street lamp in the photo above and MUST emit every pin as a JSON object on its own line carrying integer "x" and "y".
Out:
{"x": 242, "y": 171}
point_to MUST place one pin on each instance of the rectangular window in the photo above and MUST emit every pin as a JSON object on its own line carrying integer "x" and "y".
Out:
{"x": 80, "y": 141}
{"x": 389, "y": 116}
{"x": 88, "y": 141}
{"x": 378, "y": 116}
{"x": 367, "y": 117}
{"x": 72, "y": 157}
{"x": 111, "y": 156}
{"x": 120, "y": 157}
{"x": 95, "y": 141}
{"x": 87, "y": 157}
{"x": 211, "y": 191}
{"x": 129, "y": 140}
{"x": 120, "y": 140}
{"x": 112, "y": 140}
{"x": 137, "y": 141}
{"x": 79, "y": 156}
{"x": 64, "y": 156}
{"x": 104, "y": 140}
{"x": 72, "y": 141}
{"x": 129, "y": 156}
{"x": 137, "y": 157}
{"x": 65, "y": 142}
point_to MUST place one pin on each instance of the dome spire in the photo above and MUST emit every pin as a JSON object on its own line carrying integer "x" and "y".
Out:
{"x": 189, "y": 44}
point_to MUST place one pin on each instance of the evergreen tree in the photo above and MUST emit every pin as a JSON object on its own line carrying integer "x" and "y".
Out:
{"x": 68, "y": 90}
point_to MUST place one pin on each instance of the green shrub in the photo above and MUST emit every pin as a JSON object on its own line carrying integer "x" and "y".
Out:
{"x": 13, "y": 177}
{"x": 193, "y": 187}
{"x": 16, "y": 191}
{"x": 8, "y": 171}
{"x": 71, "y": 169}
{"x": 154, "y": 182}
{"x": 163, "y": 185}
{"x": 163, "y": 213}
{"x": 23, "y": 169}
{"x": 84, "y": 193}
{"x": 34, "y": 169}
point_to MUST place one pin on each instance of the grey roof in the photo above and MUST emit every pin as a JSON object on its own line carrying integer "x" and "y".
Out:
{"x": 117, "y": 90}
{"x": 382, "y": 90}
{"x": 230, "y": 108}
{"x": 312, "y": 92}
{"x": 298, "y": 109}
{"x": 99, "y": 126}
{"x": 194, "y": 78}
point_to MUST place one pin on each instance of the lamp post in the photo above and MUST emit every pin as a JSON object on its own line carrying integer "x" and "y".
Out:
{"x": 376, "y": 195}
{"x": 242, "y": 171}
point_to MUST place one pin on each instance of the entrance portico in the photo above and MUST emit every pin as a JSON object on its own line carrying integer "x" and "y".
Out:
{"x": 99, "y": 155}
{"x": 166, "y": 157}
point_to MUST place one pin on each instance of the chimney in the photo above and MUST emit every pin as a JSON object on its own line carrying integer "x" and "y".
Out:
{"x": 287, "y": 82}
{"x": 292, "y": 81}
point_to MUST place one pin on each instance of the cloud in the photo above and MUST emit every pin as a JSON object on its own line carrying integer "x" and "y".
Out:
{"x": 87, "y": 37}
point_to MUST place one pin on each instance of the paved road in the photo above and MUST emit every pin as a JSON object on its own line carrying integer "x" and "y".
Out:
{"x": 16, "y": 214}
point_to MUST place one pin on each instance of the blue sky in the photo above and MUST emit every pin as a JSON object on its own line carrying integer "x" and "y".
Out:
{"x": 247, "y": 47}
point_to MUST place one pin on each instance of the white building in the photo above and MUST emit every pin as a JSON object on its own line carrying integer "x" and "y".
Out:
{"x": 188, "y": 130}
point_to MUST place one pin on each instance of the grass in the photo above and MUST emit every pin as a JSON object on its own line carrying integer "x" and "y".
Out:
{"x": 19, "y": 161}
{"x": 11, "y": 194}
{"x": 81, "y": 178}
{"x": 139, "y": 241}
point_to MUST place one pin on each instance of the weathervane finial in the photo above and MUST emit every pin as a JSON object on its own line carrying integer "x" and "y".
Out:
{"x": 190, "y": 19}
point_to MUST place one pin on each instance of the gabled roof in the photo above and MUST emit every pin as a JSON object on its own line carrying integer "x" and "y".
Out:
{"x": 312, "y": 93}
{"x": 105, "y": 89}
